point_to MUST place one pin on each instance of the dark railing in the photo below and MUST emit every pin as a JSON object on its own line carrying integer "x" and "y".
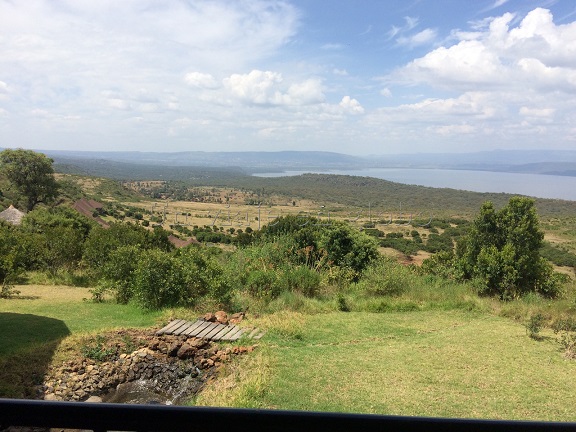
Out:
{"x": 117, "y": 417}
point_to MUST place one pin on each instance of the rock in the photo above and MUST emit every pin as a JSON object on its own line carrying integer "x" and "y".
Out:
{"x": 198, "y": 343}
{"x": 186, "y": 351}
{"x": 237, "y": 317}
{"x": 173, "y": 349}
{"x": 221, "y": 317}
{"x": 94, "y": 399}
{"x": 210, "y": 317}
{"x": 50, "y": 397}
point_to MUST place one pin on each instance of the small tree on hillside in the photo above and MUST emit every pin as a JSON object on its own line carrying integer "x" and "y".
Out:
{"x": 31, "y": 174}
{"x": 502, "y": 252}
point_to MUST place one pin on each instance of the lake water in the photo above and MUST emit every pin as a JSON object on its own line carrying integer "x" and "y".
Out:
{"x": 535, "y": 185}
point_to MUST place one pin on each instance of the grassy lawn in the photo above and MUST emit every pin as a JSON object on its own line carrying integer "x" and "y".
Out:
{"x": 440, "y": 364}
{"x": 50, "y": 312}
{"x": 428, "y": 363}
{"x": 34, "y": 326}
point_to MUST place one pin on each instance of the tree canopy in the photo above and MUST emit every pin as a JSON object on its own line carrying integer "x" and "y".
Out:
{"x": 502, "y": 252}
{"x": 31, "y": 174}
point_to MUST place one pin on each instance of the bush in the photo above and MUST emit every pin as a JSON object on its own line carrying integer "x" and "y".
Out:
{"x": 534, "y": 325}
{"x": 160, "y": 281}
{"x": 386, "y": 278}
{"x": 205, "y": 277}
{"x": 501, "y": 251}
{"x": 301, "y": 279}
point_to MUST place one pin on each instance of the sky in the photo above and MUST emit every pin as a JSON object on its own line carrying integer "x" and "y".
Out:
{"x": 359, "y": 77}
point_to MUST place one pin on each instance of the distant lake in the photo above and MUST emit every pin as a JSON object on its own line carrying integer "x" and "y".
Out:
{"x": 535, "y": 185}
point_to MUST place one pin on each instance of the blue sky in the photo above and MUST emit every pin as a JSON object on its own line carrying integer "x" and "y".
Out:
{"x": 358, "y": 77}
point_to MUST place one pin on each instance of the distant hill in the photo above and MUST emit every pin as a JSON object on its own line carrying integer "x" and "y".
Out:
{"x": 245, "y": 160}
{"x": 553, "y": 162}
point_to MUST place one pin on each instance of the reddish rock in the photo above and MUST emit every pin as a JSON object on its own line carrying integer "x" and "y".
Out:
{"x": 222, "y": 317}
{"x": 186, "y": 351}
{"x": 210, "y": 317}
{"x": 237, "y": 317}
{"x": 173, "y": 349}
{"x": 198, "y": 343}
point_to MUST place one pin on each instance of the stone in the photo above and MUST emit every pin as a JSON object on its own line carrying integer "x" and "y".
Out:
{"x": 237, "y": 317}
{"x": 173, "y": 349}
{"x": 210, "y": 317}
{"x": 50, "y": 397}
{"x": 186, "y": 351}
{"x": 221, "y": 317}
{"x": 94, "y": 399}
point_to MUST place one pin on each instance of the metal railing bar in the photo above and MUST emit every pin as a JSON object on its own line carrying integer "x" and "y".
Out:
{"x": 127, "y": 417}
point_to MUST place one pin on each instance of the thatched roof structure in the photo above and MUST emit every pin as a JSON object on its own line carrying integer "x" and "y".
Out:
{"x": 12, "y": 215}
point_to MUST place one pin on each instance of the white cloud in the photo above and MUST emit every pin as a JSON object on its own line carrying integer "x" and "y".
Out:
{"x": 333, "y": 46}
{"x": 537, "y": 112}
{"x": 535, "y": 54}
{"x": 340, "y": 72}
{"x": 424, "y": 37}
{"x": 351, "y": 106}
{"x": 3, "y": 91}
{"x": 268, "y": 88}
{"x": 201, "y": 80}
{"x": 386, "y": 92}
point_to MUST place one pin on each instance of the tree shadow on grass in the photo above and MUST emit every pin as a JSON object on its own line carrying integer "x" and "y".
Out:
{"x": 27, "y": 344}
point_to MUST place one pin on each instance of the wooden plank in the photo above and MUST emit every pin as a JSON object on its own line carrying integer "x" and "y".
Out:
{"x": 182, "y": 328}
{"x": 231, "y": 334}
{"x": 238, "y": 335}
{"x": 214, "y": 331}
{"x": 199, "y": 329}
{"x": 253, "y": 333}
{"x": 259, "y": 336}
{"x": 168, "y": 328}
{"x": 193, "y": 327}
{"x": 207, "y": 330}
{"x": 218, "y": 336}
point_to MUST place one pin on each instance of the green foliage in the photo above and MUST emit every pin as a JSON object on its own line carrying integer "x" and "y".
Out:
{"x": 101, "y": 242}
{"x": 160, "y": 281}
{"x": 12, "y": 257}
{"x": 97, "y": 350}
{"x": 301, "y": 279}
{"x": 333, "y": 243}
{"x": 566, "y": 329}
{"x": 204, "y": 275}
{"x": 406, "y": 246}
{"x": 119, "y": 272}
{"x": 534, "y": 325}
{"x": 558, "y": 255}
{"x": 501, "y": 252}
{"x": 386, "y": 277}
{"x": 31, "y": 174}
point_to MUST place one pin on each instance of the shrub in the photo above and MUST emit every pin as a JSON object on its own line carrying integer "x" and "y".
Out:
{"x": 386, "y": 278}
{"x": 501, "y": 251}
{"x": 301, "y": 279}
{"x": 534, "y": 325}
{"x": 160, "y": 281}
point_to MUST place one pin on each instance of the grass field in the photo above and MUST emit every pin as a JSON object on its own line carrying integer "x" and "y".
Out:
{"x": 440, "y": 364}
{"x": 446, "y": 363}
{"x": 60, "y": 310}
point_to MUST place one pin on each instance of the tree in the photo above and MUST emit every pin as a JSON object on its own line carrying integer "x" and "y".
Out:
{"x": 502, "y": 252}
{"x": 31, "y": 174}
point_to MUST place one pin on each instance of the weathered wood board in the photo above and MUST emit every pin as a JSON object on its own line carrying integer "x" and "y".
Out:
{"x": 209, "y": 330}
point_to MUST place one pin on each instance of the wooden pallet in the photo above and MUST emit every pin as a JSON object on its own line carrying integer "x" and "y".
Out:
{"x": 209, "y": 330}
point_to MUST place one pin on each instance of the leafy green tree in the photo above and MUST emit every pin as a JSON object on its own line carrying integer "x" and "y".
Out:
{"x": 101, "y": 242}
{"x": 11, "y": 256}
{"x": 160, "y": 281}
{"x": 31, "y": 174}
{"x": 502, "y": 252}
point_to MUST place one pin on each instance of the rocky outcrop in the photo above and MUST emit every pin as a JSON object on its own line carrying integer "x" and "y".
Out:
{"x": 164, "y": 361}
